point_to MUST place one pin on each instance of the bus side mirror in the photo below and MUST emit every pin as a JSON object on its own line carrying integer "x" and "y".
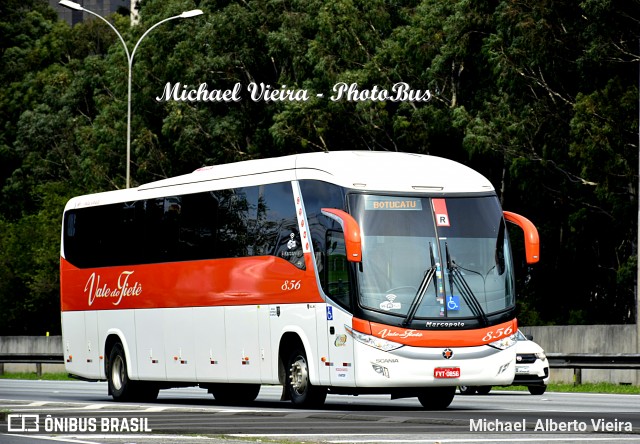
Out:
{"x": 351, "y": 231}
{"x": 531, "y": 239}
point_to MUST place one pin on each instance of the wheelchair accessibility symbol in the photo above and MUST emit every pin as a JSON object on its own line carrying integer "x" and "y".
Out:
{"x": 453, "y": 303}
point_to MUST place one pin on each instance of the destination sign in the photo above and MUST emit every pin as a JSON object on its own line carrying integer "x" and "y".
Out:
{"x": 392, "y": 203}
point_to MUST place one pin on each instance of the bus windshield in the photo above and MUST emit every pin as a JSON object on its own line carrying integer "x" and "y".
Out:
{"x": 433, "y": 258}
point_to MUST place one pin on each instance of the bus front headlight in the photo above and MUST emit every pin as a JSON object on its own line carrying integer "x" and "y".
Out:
{"x": 504, "y": 343}
{"x": 373, "y": 341}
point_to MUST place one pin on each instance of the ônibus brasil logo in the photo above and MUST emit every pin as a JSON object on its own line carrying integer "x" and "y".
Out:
{"x": 34, "y": 423}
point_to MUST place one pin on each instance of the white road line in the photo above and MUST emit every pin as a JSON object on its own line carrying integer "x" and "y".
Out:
{"x": 76, "y": 438}
{"x": 97, "y": 406}
{"x": 545, "y": 439}
{"x": 351, "y": 439}
{"x": 155, "y": 409}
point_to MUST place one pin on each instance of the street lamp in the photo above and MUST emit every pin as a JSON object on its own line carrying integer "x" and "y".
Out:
{"x": 186, "y": 14}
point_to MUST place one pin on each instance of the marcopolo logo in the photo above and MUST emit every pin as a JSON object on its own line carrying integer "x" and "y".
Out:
{"x": 34, "y": 423}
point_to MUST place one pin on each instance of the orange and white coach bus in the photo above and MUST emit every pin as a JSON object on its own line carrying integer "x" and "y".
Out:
{"x": 343, "y": 272}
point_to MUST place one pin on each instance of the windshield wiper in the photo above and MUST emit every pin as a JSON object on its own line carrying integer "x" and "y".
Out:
{"x": 455, "y": 277}
{"x": 422, "y": 289}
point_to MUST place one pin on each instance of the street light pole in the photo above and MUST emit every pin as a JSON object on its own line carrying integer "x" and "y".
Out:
{"x": 186, "y": 14}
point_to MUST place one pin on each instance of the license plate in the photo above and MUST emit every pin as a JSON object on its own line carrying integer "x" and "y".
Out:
{"x": 446, "y": 372}
{"x": 522, "y": 369}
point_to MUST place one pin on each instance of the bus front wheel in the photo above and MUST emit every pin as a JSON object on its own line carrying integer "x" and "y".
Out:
{"x": 436, "y": 398}
{"x": 301, "y": 391}
{"x": 467, "y": 389}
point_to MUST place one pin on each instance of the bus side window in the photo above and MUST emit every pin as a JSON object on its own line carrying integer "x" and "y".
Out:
{"x": 197, "y": 237}
{"x": 327, "y": 238}
{"x": 276, "y": 230}
{"x": 162, "y": 217}
{"x": 231, "y": 228}
{"x": 289, "y": 246}
{"x": 335, "y": 268}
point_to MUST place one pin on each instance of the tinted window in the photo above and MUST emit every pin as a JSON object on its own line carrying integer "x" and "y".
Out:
{"x": 277, "y": 225}
{"x": 327, "y": 237}
{"x": 238, "y": 222}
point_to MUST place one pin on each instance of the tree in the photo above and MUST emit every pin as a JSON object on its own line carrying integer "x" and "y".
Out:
{"x": 539, "y": 97}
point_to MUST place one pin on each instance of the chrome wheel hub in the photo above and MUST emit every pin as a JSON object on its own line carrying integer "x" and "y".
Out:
{"x": 299, "y": 375}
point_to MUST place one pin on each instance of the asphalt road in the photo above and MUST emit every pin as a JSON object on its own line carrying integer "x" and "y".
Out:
{"x": 81, "y": 412}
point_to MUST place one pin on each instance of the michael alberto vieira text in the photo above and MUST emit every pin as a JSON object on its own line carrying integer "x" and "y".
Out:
{"x": 550, "y": 425}
{"x": 399, "y": 92}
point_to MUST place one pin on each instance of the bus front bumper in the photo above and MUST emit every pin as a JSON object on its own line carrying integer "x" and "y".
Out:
{"x": 438, "y": 366}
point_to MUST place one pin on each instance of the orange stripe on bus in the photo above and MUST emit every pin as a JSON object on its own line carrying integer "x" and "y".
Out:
{"x": 437, "y": 338}
{"x": 219, "y": 282}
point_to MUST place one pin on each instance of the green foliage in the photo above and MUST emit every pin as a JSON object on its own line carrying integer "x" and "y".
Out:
{"x": 539, "y": 97}
{"x": 33, "y": 376}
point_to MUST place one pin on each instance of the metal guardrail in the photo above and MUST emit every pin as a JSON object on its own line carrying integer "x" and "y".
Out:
{"x": 598, "y": 361}
{"x": 31, "y": 358}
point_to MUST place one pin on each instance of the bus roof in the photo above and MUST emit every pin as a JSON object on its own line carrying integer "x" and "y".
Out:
{"x": 361, "y": 170}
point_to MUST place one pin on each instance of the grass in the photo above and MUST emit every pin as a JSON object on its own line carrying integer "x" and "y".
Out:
{"x": 34, "y": 376}
{"x": 589, "y": 387}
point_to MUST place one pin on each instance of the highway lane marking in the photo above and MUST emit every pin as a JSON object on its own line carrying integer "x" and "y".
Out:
{"x": 75, "y": 439}
{"x": 483, "y": 440}
{"x": 53, "y": 438}
{"x": 96, "y": 406}
{"x": 375, "y": 438}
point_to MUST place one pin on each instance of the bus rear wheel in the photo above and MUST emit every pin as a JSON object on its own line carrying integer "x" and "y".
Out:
{"x": 436, "y": 398}
{"x": 301, "y": 392}
{"x": 121, "y": 388}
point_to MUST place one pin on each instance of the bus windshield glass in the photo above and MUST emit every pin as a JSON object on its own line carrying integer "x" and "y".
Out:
{"x": 433, "y": 258}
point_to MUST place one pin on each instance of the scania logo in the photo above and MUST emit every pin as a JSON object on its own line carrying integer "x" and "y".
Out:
{"x": 447, "y": 353}
{"x": 518, "y": 358}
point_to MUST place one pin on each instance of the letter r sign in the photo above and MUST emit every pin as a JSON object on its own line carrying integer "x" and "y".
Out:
{"x": 441, "y": 213}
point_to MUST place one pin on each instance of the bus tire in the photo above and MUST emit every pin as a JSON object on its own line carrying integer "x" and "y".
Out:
{"x": 483, "y": 389}
{"x": 235, "y": 393}
{"x": 467, "y": 390}
{"x": 145, "y": 391}
{"x": 121, "y": 387}
{"x": 537, "y": 389}
{"x": 436, "y": 398}
{"x": 301, "y": 392}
